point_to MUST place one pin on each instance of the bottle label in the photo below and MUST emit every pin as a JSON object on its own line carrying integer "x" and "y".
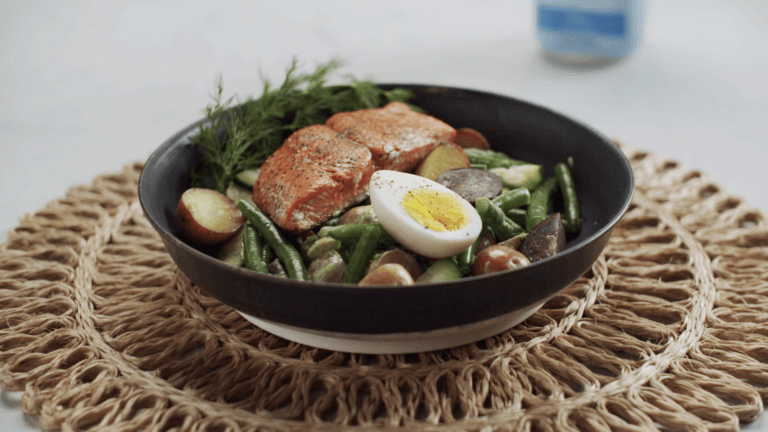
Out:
{"x": 612, "y": 24}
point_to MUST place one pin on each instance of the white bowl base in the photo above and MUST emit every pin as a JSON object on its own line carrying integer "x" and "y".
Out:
{"x": 396, "y": 343}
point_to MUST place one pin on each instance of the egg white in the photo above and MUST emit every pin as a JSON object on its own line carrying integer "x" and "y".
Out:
{"x": 387, "y": 189}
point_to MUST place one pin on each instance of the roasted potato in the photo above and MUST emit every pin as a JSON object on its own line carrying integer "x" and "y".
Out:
{"x": 397, "y": 256}
{"x": 359, "y": 215}
{"x": 388, "y": 274}
{"x": 471, "y": 183}
{"x": 444, "y": 157}
{"x": 207, "y": 216}
{"x": 470, "y": 138}
{"x": 329, "y": 268}
{"x": 545, "y": 240}
{"x": 497, "y": 258}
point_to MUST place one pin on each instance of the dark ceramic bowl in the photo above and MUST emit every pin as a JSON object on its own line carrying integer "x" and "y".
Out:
{"x": 525, "y": 131}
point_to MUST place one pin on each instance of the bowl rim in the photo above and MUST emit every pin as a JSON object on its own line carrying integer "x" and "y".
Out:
{"x": 178, "y": 137}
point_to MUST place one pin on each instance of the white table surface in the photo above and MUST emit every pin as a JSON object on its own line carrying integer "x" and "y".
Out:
{"x": 86, "y": 87}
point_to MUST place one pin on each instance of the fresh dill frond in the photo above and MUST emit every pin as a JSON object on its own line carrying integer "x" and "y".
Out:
{"x": 241, "y": 135}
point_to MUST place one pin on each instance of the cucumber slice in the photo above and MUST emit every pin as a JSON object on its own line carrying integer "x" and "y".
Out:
{"x": 235, "y": 192}
{"x": 232, "y": 250}
{"x": 248, "y": 177}
{"x": 440, "y": 271}
{"x": 528, "y": 176}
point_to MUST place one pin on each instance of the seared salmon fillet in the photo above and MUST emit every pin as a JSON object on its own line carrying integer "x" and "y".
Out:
{"x": 398, "y": 137}
{"x": 316, "y": 173}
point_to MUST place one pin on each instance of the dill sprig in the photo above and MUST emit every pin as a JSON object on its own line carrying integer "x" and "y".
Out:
{"x": 241, "y": 135}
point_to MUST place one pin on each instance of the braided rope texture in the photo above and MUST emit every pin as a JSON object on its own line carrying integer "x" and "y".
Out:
{"x": 101, "y": 331}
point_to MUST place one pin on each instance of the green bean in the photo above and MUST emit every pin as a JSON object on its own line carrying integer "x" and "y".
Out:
{"x": 352, "y": 232}
{"x": 290, "y": 257}
{"x": 517, "y": 215}
{"x": 346, "y": 253}
{"x": 490, "y": 158}
{"x": 267, "y": 254}
{"x": 467, "y": 256}
{"x": 253, "y": 250}
{"x": 570, "y": 213}
{"x": 537, "y": 210}
{"x": 495, "y": 219}
{"x": 513, "y": 199}
{"x": 362, "y": 254}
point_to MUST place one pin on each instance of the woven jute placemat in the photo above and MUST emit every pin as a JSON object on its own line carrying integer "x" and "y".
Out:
{"x": 667, "y": 331}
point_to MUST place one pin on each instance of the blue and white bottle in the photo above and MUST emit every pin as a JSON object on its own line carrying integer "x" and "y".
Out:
{"x": 587, "y": 30}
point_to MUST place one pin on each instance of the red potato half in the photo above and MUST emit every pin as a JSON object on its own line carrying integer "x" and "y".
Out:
{"x": 208, "y": 217}
{"x": 497, "y": 258}
{"x": 470, "y": 138}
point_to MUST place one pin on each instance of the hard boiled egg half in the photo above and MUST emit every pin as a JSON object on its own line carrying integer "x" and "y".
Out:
{"x": 422, "y": 215}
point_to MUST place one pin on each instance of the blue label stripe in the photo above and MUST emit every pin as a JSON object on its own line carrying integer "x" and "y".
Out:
{"x": 574, "y": 20}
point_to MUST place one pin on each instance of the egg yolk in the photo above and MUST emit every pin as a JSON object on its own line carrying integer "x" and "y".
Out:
{"x": 434, "y": 209}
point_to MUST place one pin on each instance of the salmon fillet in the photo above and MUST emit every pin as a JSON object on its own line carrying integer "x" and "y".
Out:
{"x": 315, "y": 174}
{"x": 398, "y": 137}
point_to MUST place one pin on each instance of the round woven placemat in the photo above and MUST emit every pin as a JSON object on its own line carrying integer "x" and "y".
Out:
{"x": 667, "y": 331}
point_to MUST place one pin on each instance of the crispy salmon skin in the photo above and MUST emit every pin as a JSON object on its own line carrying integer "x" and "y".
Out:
{"x": 315, "y": 174}
{"x": 398, "y": 137}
